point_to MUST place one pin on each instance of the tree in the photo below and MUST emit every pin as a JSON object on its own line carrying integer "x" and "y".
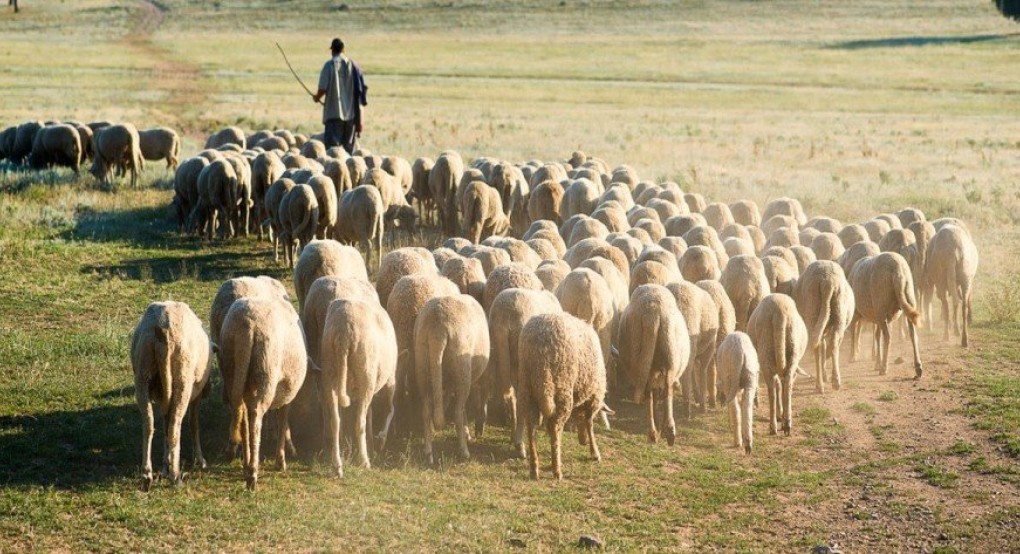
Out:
{"x": 1008, "y": 8}
{"x": 13, "y": 3}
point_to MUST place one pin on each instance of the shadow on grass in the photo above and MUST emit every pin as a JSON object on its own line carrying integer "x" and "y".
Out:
{"x": 915, "y": 41}
{"x": 214, "y": 266}
{"x": 145, "y": 226}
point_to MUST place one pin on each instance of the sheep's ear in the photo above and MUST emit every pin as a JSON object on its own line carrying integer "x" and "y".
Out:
{"x": 606, "y": 409}
{"x": 614, "y": 351}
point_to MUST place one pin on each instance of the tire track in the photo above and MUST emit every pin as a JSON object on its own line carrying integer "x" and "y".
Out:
{"x": 179, "y": 80}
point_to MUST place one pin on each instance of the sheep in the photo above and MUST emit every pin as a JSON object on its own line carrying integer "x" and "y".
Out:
{"x": 758, "y": 238}
{"x": 56, "y": 145}
{"x": 785, "y": 206}
{"x": 803, "y": 256}
{"x": 877, "y": 228}
{"x": 651, "y": 272}
{"x": 273, "y": 199}
{"x": 826, "y": 303}
{"x": 320, "y": 295}
{"x": 420, "y": 170}
{"x": 491, "y": 258}
{"x": 951, "y": 263}
{"x": 923, "y": 233}
{"x": 240, "y": 211}
{"x": 907, "y": 216}
{"x": 467, "y": 274}
{"x": 209, "y": 155}
{"x": 586, "y": 295}
{"x": 779, "y": 221}
{"x": 695, "y": 202}
{"x": 580, "y": 197}
{"x": 265, "y": 170}
{"x": 171, "y": 357}
{"x": 397, "y": 264}
{"x": 852, "y": 234}
{"x": 824, "y": 224}
{"x": 115, "y": 146}
{"x": 313, "y": 149}
{"x": 746, "y": 284}
{"x": 217, "y": 189}
{"x": 271, "y": 144}
{"x": 512, "y": 275}
{"x": 544, "y": 201}
{"x": 738, "y": 366}
{"x": 398, "y": 212}
{"x": 745, "y": 212}
{"x": 406, "y": 299}
{"x": 718, "y": 215}
{"x": 780, "y": 339}
{"x": 160, "y": 143}
{"x": 807, "y": 235}
{"x": 703, "y": 235}
{"x": 325, "y": 257}
{"x": 24, "y": 138}
{"x": 941, "y": 222}
{"x": 359, "y": 362}
{"x": 738, "y": 247}
{"x": 510, "y": 311}
{"x": 618, "y": 193}
{"x": 653, "y": 349}
{"x": 562, "y": 376}
{"x": 780, "y": 273}
{"x": 855, "y": 253}
{"x": 483, "y": 212}
{"x": 7, "y": 139}
{"x": 337, "y": 171}
{"x": 701, "y": 314}
{"x": 783, "y": 236}
{"x": 665, "y": 209}
{"x": 551, "y": 273}
{"x": 443, "y": 180}
{"x": 186, "y": 189}
{"x": 827, "y": 246}
{"x": 227, "y": 135}
{"x": 451, "y": 352}
{"x": 360, "y": 218}
{"x": 883, "y": 288}
{"x": 264, "y": 362}
{"x": 892, "y": 219}
{"x": 299, "y": 212}
{"x": 727, "y": 317}
{"x": 699, "y": 262}
{"x": 325, "y": 196}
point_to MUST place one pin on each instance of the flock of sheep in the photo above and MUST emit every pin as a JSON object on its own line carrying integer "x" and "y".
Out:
{"x": 41, "y": 145}
{"x": 561, "y": 284}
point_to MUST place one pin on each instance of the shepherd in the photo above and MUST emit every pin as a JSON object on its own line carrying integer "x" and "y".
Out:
{"x": 342, "y": 87}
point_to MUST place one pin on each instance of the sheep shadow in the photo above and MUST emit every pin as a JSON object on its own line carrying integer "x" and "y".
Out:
{"x": 917, "y": 41}
{"x": 142, "y": 226}
{"x": 214, "y": 266}
{"x": 81, "y": 449}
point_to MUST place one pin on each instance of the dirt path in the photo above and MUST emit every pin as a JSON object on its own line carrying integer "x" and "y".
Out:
{"x": 179, "y": 80}
{"x": 913, "y": 470}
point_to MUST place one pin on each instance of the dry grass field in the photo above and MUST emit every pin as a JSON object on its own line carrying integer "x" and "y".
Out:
{"x": 856, "y": 108}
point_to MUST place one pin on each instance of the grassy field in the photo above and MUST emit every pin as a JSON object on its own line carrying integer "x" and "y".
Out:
{"x": 855, "y": 108}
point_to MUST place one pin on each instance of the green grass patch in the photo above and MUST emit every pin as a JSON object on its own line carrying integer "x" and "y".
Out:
{"x": 887, "y": 396}
{"x": 936, "y": 476}
{"x": 863, "y": 408}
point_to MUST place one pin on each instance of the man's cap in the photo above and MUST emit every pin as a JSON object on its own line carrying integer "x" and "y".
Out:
{"x": 337, "y": 44}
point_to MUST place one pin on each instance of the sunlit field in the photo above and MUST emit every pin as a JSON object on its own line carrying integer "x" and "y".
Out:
{"x": 856, "y": 108}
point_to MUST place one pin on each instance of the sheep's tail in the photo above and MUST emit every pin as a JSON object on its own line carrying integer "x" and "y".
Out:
{"x": 240, "y": 356}
{"x": 379, "y": 230}
{"x": 308, "y": 219}
{"x": 907, "y": 301}
{"x": 642, "y": 359}
{"x": 162, "y": 355}
{"x": 823, "y": 311}
{"x": 779, "y": 347}
{"x": 330, "y": 357}
{"x": 435, "y": 369}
